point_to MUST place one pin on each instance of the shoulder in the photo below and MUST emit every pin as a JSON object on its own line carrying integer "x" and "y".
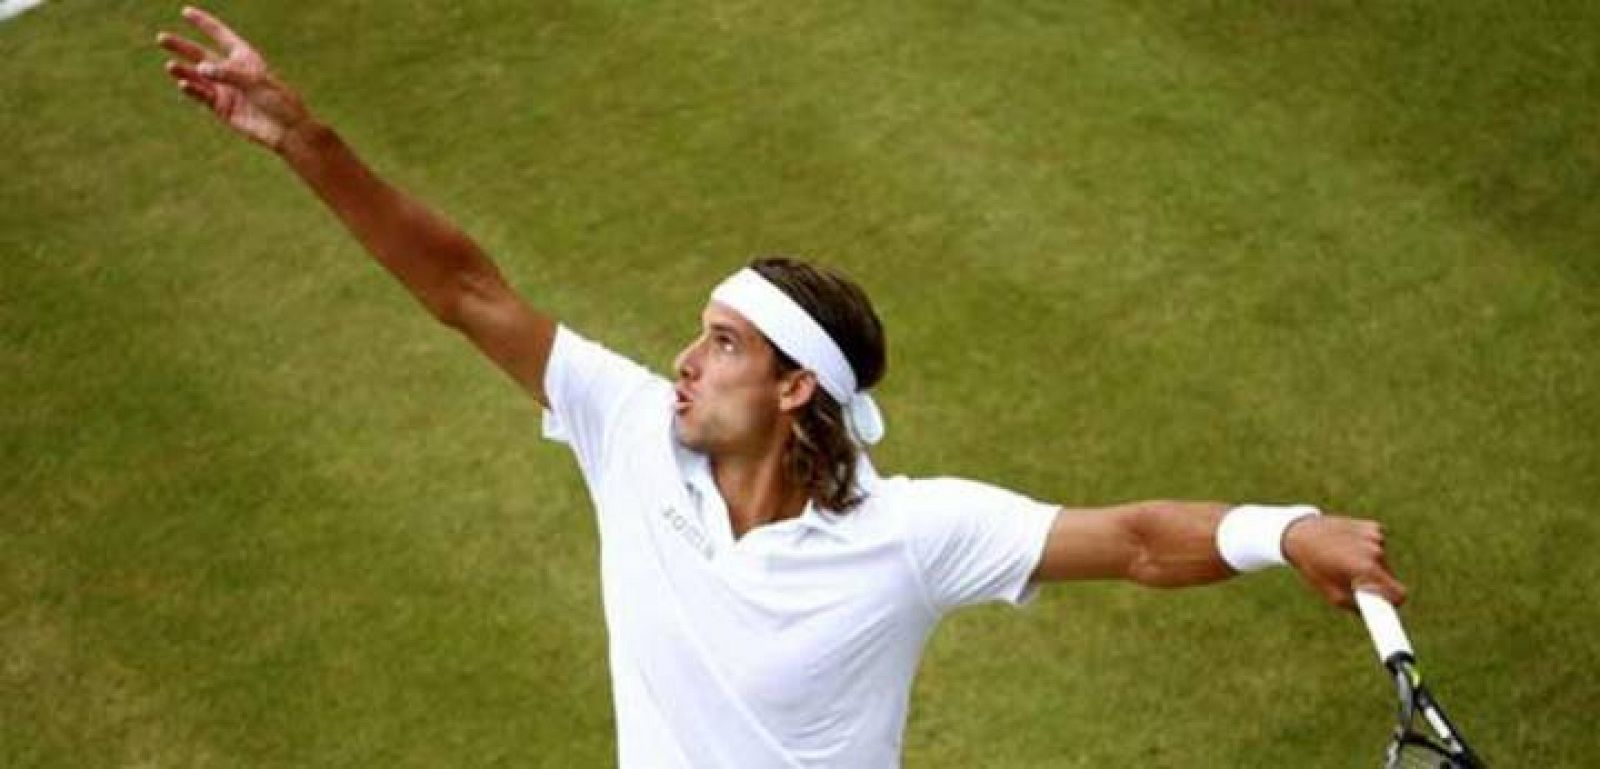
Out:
{"x": 901, "y": 507}
{"x": 591, "y": 360}
{"x": 972, "y": 541}
{"x": 593, "y": 391}
{"x": 943, "y": 512}
{"x": 921, "y": 497}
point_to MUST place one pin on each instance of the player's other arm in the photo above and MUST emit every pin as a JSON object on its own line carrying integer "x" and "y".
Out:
{"x": 440, "y": 265}
{"x": 1174, "y": 544}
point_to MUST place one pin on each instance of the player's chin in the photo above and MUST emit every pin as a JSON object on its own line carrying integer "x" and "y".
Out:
{"x": 686, "y": 434}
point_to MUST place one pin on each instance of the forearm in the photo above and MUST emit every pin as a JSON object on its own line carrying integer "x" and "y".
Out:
{"x": 1175, "y": 544}
{"x": 433, "y": 259}
{"x": 1159, "y": 543}
{"x": 1179, "y": 544}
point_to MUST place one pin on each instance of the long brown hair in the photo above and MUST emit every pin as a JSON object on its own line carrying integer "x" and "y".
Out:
{"x": 821, "y": 456}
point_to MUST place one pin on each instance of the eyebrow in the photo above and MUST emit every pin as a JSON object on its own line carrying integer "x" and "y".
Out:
{"x": 729, "y": 328}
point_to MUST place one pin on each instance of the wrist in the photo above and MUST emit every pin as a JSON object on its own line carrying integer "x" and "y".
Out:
{"x": 303, "y": 140}
{"x": 1250, "y": 537}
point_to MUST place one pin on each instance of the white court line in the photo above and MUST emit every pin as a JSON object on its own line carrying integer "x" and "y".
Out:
{"x": 9, "y": 8}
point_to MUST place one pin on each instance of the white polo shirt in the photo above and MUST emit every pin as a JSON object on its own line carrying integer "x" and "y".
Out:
{"x": 794, "y": 645}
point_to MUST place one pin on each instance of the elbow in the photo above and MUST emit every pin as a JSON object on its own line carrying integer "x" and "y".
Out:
{"x": 1165, "y": 551}
{"x": 1147, "y": 569}
{"x": 463, "y": 297}
{"x": 446, "y": 309}
{"x": 1142, "y": 564}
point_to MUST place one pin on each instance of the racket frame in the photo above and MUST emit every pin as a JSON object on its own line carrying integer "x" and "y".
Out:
{"x": 1395, "y": 652}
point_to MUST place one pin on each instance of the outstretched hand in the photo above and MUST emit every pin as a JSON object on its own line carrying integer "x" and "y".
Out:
{"x": 1335, "y": 555}
{"x": 235, "y": 83}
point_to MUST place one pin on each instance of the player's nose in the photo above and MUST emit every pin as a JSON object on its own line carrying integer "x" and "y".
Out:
{"x": 685, "y": 364}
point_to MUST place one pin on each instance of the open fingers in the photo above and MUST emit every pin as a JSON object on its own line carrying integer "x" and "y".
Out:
{"x": 198, "y": 91}
{"x": 191, "y": 83}
{"x": 183, "y": 72}
{"x": 185, "y": 49}
{"x": 215, "y": 29}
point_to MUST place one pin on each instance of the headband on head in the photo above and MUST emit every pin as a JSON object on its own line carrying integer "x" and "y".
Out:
{"x": 791, "y": 329}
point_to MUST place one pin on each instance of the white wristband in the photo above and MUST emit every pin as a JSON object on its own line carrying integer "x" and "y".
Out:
{"x": 1250, "y": 537}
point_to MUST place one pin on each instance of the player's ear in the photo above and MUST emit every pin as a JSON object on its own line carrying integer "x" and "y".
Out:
{"x": 796, "y": 389}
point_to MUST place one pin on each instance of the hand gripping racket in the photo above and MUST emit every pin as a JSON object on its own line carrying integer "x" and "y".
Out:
{"x": 1411, "y": 748}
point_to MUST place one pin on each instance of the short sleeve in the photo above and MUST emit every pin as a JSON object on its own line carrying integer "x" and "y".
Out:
{"x": 587, "y": 386}
{"x": 973, "y": 542}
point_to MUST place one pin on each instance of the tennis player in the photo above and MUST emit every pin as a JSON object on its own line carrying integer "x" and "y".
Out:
{"x": 767, "y": 592}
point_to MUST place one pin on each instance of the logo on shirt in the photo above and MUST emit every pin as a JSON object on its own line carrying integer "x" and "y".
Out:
{"x": 687, "y": 529}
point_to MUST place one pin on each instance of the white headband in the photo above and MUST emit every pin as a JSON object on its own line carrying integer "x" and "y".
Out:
{"x": 792, "y": 330}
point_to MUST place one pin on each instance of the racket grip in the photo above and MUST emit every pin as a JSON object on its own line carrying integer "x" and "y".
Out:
{"x": 1383, "y": 623}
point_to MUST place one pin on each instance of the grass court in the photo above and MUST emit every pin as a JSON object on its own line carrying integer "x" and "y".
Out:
{"x": 257, "y": 510}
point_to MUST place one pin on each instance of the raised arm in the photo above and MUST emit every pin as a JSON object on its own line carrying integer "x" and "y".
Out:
{"x": 443, "y": 268}
{"x": 1174, "y": 544}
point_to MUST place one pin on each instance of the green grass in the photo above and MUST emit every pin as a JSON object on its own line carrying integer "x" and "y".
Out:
{"x": 257, "y": 510}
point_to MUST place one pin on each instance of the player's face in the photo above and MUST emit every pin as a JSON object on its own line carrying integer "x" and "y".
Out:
{"x": 728, "y": 385}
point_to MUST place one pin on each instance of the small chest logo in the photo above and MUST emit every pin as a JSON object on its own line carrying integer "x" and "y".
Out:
{"x": 687, "y": 529}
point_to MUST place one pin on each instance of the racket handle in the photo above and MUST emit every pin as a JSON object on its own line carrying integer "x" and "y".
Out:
{"x": 1383, "y": 623}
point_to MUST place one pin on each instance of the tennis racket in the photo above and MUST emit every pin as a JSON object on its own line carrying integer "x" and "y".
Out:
{"x": 1410, "y": 747}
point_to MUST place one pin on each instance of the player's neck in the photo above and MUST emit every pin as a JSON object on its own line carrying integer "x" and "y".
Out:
{"x": 756, "y": 490}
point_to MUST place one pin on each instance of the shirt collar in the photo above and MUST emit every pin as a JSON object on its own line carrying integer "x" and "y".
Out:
{"x": 701, "y": 486}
